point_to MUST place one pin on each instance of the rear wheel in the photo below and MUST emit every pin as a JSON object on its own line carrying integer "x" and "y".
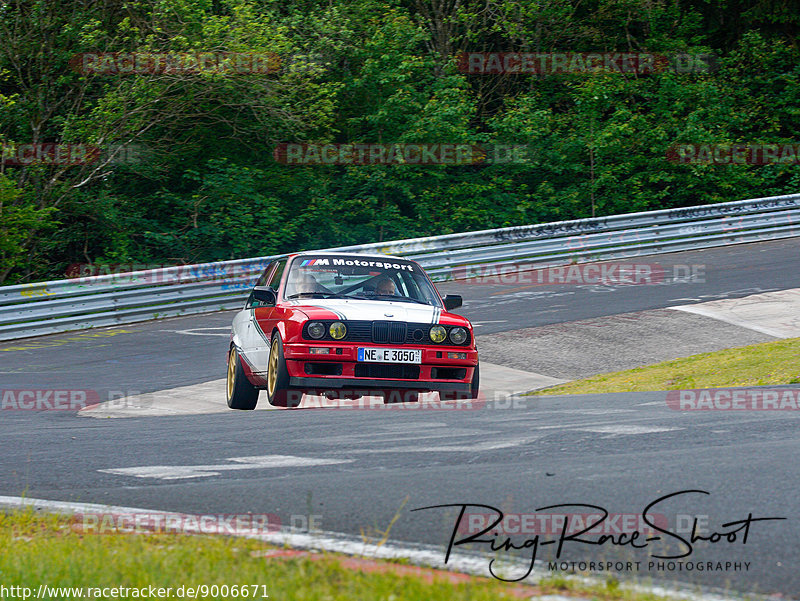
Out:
{"x": 241, "y": 394}
{"x": 278, "y": 393}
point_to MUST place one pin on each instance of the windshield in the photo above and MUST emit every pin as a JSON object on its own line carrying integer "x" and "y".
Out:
{"x": 350, "y": 277}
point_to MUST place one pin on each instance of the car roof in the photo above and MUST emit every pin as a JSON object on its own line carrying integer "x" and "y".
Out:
{"x": 348, "y": 254}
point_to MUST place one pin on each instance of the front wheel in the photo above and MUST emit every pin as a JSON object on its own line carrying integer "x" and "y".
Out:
{"x": 463, "y": 395}
{"x": 241, "y": 394}
{"x": 476, "y": 380}
{"x": 278, "y": 377}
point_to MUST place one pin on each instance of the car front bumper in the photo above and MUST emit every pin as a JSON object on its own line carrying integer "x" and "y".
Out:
{"x": 437, "y": 372}
{"x": 333, "y": 383}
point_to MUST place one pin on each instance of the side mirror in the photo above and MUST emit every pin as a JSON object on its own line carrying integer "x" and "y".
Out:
{"x": 452, "y": 301}
{"x": 264, "y": 296}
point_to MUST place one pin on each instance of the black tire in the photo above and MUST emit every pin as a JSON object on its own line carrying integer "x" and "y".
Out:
{"x": 475, "y": 385}
{"x": 278, "y": 393}
{"x": 463, "y": 395}
{"x": 241, "y": 394}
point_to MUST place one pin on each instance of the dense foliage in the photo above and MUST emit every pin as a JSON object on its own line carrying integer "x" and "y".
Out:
{"x": 207, "y": 185}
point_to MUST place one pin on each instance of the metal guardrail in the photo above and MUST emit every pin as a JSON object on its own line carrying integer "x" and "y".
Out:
{"x": 107, "y": 300}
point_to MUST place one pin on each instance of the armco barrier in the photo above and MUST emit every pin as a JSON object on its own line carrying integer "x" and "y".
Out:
{"x": 106, "y": 300}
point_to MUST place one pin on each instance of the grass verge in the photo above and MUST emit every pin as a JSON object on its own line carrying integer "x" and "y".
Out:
{"x": 769, "y": 363}
{"x": 49, "y": 549}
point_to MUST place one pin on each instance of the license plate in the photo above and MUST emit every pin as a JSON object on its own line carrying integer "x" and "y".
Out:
{"x": 390, "y": 355}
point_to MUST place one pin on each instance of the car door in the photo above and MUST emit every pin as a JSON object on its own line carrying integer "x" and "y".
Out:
{"x": 244, "y": 334}
{"x": 258, "y": 339}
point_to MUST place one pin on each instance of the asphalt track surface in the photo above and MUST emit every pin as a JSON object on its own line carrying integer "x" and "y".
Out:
{"x": 620, "y": 452}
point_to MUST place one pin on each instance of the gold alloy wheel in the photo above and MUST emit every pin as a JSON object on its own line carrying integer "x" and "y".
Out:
{"x": 272, "y": 370}
{"x": 231, "y": 371}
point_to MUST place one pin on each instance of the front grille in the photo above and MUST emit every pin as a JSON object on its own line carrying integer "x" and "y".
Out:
{"x": 389, "y": 371}
{"x": 397, "y": 332}
{"x": 380, "y": 331}
{"x": 389, "y": 331}
{"x": 359, "y": 331}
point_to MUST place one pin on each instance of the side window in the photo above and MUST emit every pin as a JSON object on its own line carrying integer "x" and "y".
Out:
{"x": 413, "y": 288}
{"x": 275, "y": 280}
{"x": 262, "y": 279}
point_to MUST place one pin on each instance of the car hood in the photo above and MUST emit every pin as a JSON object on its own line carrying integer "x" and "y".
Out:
{"x": 357, "y": 309}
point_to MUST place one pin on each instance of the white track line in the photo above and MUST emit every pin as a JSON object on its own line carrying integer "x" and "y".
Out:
{"x": 626, "y": 429}
{"x": 421, "y": 555}
{"x": 179, "y": 472}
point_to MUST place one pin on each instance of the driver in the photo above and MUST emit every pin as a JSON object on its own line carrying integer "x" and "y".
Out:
{"x": 305, "y": 283}
{"x": 385, "y": 286}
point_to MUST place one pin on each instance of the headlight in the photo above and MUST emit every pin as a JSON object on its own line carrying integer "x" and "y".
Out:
{"x": 337, "y": 330}
{"x": 438, "y": 334}
{"x": 316, "y": 329}
{"x": 458, "y": 335}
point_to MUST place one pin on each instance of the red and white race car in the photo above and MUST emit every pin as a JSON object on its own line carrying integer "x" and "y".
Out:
{"x": 346, "y": 326}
